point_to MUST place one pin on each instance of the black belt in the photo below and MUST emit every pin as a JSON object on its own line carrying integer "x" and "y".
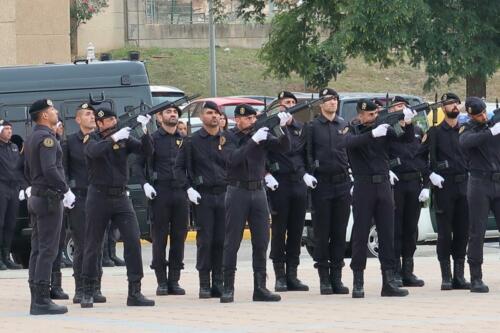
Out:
{"x": 113, "y": 191}
{"x": 374, "y": 179}
{"x": 493, "y": 176}
{"x": 248, "y": 185}
{"x": 10, "y": 182}
{"x": 332, "y": 178}
{"x": 170, "y": 183}
{"x": 291, "y": 177}
{"x": 457, "y": 178}
{"x": 409, "y": 176}
{"x": 46, "y": 193}
{"x": 211, "y": 189}
{"x": 82, "y": 192}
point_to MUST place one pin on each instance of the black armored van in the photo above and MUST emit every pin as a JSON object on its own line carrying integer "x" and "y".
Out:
{"x": 122, "y": 84}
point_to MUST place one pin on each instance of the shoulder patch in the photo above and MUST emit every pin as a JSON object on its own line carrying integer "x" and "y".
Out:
{"x": 116, "y": 146}
{"x": 48, "y": 142}
{"x": 424, "y": 138}
{"x": 462, "y": 128}
{"x": 86, "y": 138}
{"x": 178, "y": 142}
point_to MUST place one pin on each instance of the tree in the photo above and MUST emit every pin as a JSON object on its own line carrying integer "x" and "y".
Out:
{"x": 82, "y": 11}
{"x": 451, "y": 38}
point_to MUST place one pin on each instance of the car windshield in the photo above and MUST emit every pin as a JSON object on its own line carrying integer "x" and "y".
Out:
{"x": 160, "y": 97}
{"x": 229, "y": 109}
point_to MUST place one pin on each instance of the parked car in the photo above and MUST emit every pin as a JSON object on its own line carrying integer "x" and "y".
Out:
{"x": 160, "y": 94}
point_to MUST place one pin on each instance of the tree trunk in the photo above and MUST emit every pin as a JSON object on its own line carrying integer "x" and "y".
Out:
{"x": 73, "y": 34}
{"x": 475, "y": 85}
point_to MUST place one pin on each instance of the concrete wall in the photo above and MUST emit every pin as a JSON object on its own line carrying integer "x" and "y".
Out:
{"x": 8, "y": 32}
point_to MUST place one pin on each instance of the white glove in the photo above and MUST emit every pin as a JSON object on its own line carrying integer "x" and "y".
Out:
{"x": 271, "y": 182}
{"x": 310, "y": 181}
{"x": 284, "y": 118}
{"x": 27, "y": 191}
{"x": 193, "y": 195}
{"x": 380, "y": 130}
{"x": 144, "y": 120}
{"x": 436, "y": 180}
{"x": 260, "y": 135}
{"x": 424, "y": 195}
{"x": 352, "y": 190}
{"x": 495, "y": 130}
{"x": 22, "y": 195}
{"x": 69, "y": 199}
{"x": 149, "y": 191}
{"x": 122, "y": 134}
{"x": 409, "y": 114}
{"x": 393, "y": 178}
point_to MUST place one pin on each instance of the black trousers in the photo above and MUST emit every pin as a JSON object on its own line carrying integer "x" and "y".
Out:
{"x": 406, "y": 216}
{"x": 246, "y": 206}
{"x": 170, "y": 220}
{"x": 452, "y": 217}
{"x": 46, "y": 223}
{"x": 330, "y": 219}
{"x": 288, "y": 203}
{"x": 101, "y": 209}
{"x": 372, "y": 202}
{"x": 9, "y": 205}
{"x": 483, "y": 195}
{"x": 210, "y": 216}
{"x": 56, "y": 266}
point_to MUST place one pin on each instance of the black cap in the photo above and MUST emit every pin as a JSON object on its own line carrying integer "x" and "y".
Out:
{"x": 449, "y": 98}
{"x": 398, "y": 99}
{"x": 328, "y": 92}
{"x": 40, "y": 105}
{"x": 474, "y": 105}
{"x": 287, "y": 94}
{"x": 85, "y": 106}
{"x": 103, "y": 112}
{"x": 212, "y": 106}
{"x": 173, "y": 106}
{"x": 4, "y": 122}
{"x": 366, "y": 105}
{"x": 244, "y": 110}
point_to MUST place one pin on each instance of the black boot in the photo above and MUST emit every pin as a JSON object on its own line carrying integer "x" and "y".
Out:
{"x": 173, "y": 282}
{"x": 476, "y": 280}
{"x": 88, "y": 294}
{"x": 7, "y": 261}
{"x": 325, "y": 285}
{"x": 112, "y": 254}
{"x": 336, "y": 279}
{"x": 459, "y": 281}
{"x": 217, "y": 284}
{"x": 357, "y": 285}
{"x": 135, "y": 297}
{"x": 56, "y": 291}
{"x": 42, "y": 304}
{"x": 106, "y": 260}
{"x": 260, "y": 292}
{"x": 445, "y": 275}
{"x": 228, "y": 293}
{"x": 32, "y": 293}
{"x": 281, "y": 278}
{"x": 292, "y": 282}
{"x": 205, "y": 291}
{"x": 98, "y": 296}
{"x": 389, "y": 287}
{"x": 78, "y": 290}
{"x": 161, "y": 279}
{"x": 409, "y": 279}
{"x": 398, "y": 279}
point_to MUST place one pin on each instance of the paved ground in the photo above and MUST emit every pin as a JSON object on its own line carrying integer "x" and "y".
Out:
{"x": 426, "y": 309}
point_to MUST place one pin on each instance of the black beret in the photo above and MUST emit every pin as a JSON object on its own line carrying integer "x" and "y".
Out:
{"x": 378, "y": 101}
{"x": 103, "y": 112}
{"x": 212, "y": 106}
{"x": 173, "y": 106}
{"x": 328, "y": 92}
{"x": 4, "y": 122}
{"x": 398, "y": 99}
{"x": 86, "y": 106}
{"x": 40, "y": 105}
{"x": 287, "y": 94}
{"x": 243, "y": 110}
{"x": 474, "y": 105}
{"x": 449, "y": 98}
{"x": 366, "y": 105}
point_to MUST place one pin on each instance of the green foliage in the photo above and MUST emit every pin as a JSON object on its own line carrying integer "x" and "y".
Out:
{"x": 82, "y": 11}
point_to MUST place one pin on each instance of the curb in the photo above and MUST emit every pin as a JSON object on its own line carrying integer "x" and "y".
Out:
{"x": 191, "y": 236}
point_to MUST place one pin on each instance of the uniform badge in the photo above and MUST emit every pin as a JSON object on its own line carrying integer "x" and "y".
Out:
{"x": 1, "y": 121}
{"x": 85, "y": 106}
{"x": 242, "y": 111}
{"x": 462, "y": 128}
{"x": 325, "y": 91}
{"x": 363, "y": 106}
{"x": 222, "y": 141}
{"x": 100, "y": 114}
{"x": 49, "y": 103}
{"x": 178, "y": 142}
{"x": 48, "y": 142}
{"x": 116, "y": 146}
{"x": 297, "y": 132}
{"x": 86, "y": 138}
{"x": 345, "y": 130}
{"x": 424, "y": 138}
{"x": 282, "y": 94}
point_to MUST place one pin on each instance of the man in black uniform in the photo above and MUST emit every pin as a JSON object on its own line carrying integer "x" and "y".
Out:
{"x": 288, "y": 197}
{"x": 76, "y": 171}
{"x": 10, "y": 193}
{"x": 106, "y": 155}
{"x": 448, "y": 173}
{"x": 49, "y": 192}
{"x": 331, "y": 199}
{"x": 372, "y": 194}
{"x": 201, "y": 165}
{"x": 246, "y": 199}
{"x": 407, "y": 166}
{"x": 481, "y": 143}
{"x": 170, "y": 204}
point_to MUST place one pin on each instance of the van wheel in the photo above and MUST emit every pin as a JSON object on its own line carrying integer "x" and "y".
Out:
{"x": 21, "y": 255}
{"x": 69, "y": 247}
{"x": 372, "y": 244}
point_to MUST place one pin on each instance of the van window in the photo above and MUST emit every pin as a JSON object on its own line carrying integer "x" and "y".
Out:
{"x": 348, "y": 111}
{"x": 17, "y": 116}
{"x": 160, "y": 97}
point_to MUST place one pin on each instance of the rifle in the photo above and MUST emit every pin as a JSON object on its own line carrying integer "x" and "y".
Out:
{"x": 385, "y": 117}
